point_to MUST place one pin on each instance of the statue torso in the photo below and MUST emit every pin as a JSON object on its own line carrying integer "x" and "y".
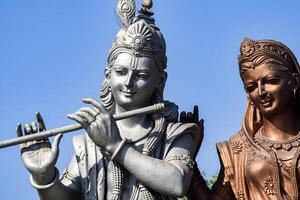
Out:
{"x": 96, "y": 169}
{"x": 258, "y": 171}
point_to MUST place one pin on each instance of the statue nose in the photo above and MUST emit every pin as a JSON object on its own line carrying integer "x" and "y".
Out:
{"x": 129, "y": 79}
{"x": 261, "y": 89}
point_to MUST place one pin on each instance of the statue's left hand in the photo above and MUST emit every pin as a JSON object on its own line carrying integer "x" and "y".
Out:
{"x": 99, "y": 124}
{"x": 193, "y": 117}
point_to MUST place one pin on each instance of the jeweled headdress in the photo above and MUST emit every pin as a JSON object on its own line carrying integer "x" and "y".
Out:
{"x": 139, "y": 36}
{"x": 251, "y": 49}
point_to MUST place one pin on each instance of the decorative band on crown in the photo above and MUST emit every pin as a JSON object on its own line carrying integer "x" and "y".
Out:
{"x": 145, "y": 52}
{"x": 251, "y": 49}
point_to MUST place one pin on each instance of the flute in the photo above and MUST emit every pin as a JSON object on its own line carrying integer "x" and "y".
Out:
{"x": 75, "y": 127}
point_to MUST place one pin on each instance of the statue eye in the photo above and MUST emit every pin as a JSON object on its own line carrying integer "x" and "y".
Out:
{"x": 143, "y": 76}
{"x": 120, "y": 71}
{"x": 250, "y": 88}
{"x": 272, "y": 80}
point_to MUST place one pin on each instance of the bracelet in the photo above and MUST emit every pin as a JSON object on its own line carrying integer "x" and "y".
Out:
{"x": 183, "y": 158}
{"x": 119, "y": 147}
{"x": 43, "y": 187}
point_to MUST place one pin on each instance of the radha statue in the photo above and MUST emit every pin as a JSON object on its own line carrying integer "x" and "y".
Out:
{"x": 261, "y": 162}
{"x": 147, "y": 157}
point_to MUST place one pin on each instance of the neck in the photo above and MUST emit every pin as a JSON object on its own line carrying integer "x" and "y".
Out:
{"x": 139, "y": 120}
{"x": 281, "y": 126}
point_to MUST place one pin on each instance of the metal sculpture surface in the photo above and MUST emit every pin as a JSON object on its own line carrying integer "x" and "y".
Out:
{"x": 140, "y": 157}
{"x": 262, "y": 160}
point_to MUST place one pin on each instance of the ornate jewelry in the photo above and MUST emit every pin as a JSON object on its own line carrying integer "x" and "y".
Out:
{"x": 185, "y": 159}
{"x": 295, "y": 93}
{"x": 278, "y": 145}
{"x": 139, "y": 35}
{"x": 43, "y": 187}
{"x": 250, "y": 49}
{"x": 285, "y": 151}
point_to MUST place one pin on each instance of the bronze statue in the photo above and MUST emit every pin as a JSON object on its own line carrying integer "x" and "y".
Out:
{"x": 141, "y": 157}
{"x": 261, "y": 162}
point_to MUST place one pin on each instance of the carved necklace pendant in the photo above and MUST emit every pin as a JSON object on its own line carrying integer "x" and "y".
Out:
{"x": 285, "y": 150}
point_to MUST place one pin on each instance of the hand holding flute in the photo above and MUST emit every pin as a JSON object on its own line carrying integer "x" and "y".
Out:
{"x": 40, "y": 156}
{"x": 99, "y": 125}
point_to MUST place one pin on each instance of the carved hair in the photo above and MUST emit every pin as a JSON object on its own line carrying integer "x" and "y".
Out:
{"x": 263, "y": 59}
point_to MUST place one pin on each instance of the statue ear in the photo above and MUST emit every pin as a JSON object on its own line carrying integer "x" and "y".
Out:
{"x": 163, "y": 79}
{"x": 296, "y": 79}
{"x": 107, "y": 72}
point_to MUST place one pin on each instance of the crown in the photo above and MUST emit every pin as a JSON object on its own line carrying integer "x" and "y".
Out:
{"x": 139, "y": 36}
{"x": 251, "y": 49}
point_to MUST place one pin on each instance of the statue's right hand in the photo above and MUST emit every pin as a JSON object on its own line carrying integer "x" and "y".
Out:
{"x": 39, "y": 157}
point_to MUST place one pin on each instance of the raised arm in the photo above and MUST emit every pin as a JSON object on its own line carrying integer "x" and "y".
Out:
{"x": 198, "y": 189}
{"x": 39, "y": 158}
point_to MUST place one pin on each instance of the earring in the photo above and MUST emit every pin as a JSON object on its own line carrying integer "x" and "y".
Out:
{"x": 295, "y": 93}
{"x": 252, "y": 104}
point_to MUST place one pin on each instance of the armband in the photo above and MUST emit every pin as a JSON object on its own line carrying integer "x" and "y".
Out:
{"x": 185, "y": 159}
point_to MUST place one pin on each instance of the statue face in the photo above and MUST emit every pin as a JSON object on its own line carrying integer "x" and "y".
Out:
{"x": 268, "y": 89}
{"x": 133, "y": 81}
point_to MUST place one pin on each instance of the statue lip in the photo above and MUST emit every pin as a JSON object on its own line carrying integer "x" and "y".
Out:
{"x": 266, "y": 103}
{"x": 128, "y": 93}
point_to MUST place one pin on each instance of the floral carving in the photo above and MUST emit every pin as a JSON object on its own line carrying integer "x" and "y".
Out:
{"x": 251, "y": 48}
{"x": 139, "y": 34}
{"x": 269, "y": 186}
{"x": 237, "y": 146}
{"x": 248, "y": 47}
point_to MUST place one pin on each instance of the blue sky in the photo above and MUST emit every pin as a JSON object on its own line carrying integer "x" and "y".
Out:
{"x": 53, "y": 53}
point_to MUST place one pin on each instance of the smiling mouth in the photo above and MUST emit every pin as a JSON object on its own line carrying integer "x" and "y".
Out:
{"x": 127, "y": 93}
{"x": 266, "y": 103}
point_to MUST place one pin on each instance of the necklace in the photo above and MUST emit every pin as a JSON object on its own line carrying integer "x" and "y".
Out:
{"x": 277, "y": 145}
{"x": 285, "y": 151}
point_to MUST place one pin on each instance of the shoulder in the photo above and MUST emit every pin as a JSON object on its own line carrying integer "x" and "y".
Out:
{"x": 235, "y": 143}
{"x": 178, "y": 129}
{"x": 174, "y": 131}
{"x": 230, "y": 151}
